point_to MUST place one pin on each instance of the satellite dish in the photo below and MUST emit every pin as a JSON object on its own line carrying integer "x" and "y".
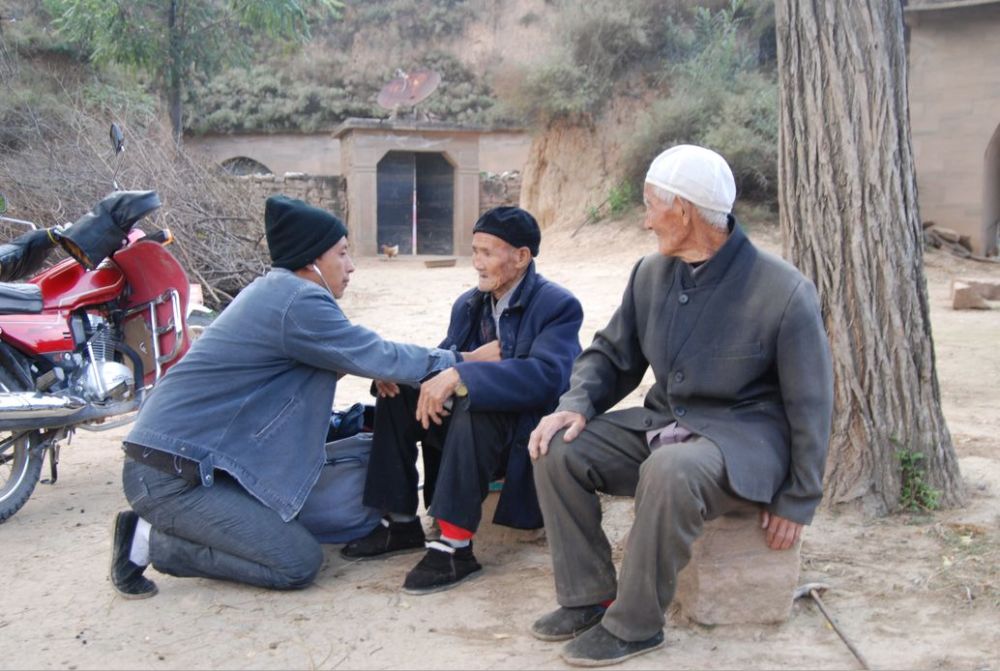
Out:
{"x": 408, "y": 89}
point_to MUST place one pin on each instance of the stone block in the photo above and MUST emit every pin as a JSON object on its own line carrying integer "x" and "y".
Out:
{"x": 734, "y": 578}
{"x": 964, "y": 296}
{"x": 496, "y": 534}
{"x": 987, "y": 287}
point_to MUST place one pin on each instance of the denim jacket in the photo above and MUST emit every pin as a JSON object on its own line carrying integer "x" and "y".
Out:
{"x": 253, "y": 395}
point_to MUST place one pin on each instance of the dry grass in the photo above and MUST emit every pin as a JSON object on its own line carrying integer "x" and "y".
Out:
{"x": 970, "y": 563}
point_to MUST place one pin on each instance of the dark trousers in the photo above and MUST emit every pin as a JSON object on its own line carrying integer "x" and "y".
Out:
{"x": 461, "y": 457}
{"x": 219, "y": 532}
{"x": 676, "y": 488}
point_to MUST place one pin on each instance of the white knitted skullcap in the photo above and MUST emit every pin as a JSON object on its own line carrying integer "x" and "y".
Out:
{"x": 696, "y": 174}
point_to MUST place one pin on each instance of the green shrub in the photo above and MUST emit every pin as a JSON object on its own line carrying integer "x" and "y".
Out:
{"x": 622, "y": 197}
{"x": 276, "y": 97}
{"x": 916, "y": 494}
{"x": 461, "y": 97}
{"x": 719, "y": 99}
{"x": 529, "y": 18}
{"x": 559, "y": 89}
{"x": 266, "y": 98}
{"x": 603, "y": 41}
{"x": 412, "y": 20}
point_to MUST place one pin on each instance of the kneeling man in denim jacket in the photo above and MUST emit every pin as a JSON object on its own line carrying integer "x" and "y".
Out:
{"x": 231, "y": 441}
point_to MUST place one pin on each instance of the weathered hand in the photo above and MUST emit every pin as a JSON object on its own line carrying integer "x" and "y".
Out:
{"x": 488, "y": 352}
{"x": 386, "y": 389}
{"x": 433, "y": 393}
{"x": 538, "y": 443}
{"x": 781, "y": 533}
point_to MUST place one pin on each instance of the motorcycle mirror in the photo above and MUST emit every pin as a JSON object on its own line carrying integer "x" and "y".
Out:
{"x": 117, "y": 139}
{"x": 3, "y": 203}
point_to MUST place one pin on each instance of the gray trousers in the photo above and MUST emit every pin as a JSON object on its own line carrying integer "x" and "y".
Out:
{"x": 219, "y": 532}
{"x": 676, "y": 488}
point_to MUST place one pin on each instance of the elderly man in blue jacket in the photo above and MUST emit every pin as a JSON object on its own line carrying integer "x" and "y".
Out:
{"x": 473, "y": 419}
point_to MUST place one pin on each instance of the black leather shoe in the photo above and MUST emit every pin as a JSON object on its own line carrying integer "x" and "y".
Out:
{"x": 565, "y": 623}
{"x": 387, "y": 539}
{"x": 599, "y": 647}
{"x": 442, "y": 568}
{"x": 126, "y": 576}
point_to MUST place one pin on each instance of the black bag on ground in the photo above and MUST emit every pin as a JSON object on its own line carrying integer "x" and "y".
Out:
{"x": 333, "y": 511}
{"x": 345, "y": 423}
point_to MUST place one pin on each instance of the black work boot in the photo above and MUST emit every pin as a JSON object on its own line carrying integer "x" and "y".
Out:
{"x": 565, "y": 622}
{"x": 599, "y": 647}
{"x": 387, "y": 539}
{"x": 442, "y": 568}
{"x": 126, "y": 575}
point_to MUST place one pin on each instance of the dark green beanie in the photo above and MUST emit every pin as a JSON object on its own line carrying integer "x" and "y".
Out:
{"x": 298, "y": 233}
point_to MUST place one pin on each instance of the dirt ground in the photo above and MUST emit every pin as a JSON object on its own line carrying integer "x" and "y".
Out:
{"x": 911, "y": 591}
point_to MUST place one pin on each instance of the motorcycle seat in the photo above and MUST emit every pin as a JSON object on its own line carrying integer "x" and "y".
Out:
{"x": 18, "y": 298}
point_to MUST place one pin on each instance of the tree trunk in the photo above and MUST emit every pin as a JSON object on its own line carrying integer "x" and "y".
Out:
{"x": 850, "y": 220}
{"x": 175, "y": 73}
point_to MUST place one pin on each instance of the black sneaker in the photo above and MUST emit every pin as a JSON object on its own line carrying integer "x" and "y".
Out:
{"x": 387, "y": 539}
{"x": 565, "y": 623}
{"x": 442, "y": 568}
{"x": 599, "y": 647}
{"x": 126, "y": 576}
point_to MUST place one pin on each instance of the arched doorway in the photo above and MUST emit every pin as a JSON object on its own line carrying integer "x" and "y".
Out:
{"x": 244, "y": 165}
{"x": 991, "y": 195}
{"x": 415, "y": 208}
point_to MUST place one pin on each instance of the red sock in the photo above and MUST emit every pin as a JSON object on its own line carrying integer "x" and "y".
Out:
{"x": 449, "y": 530}
{"x": 607, "y": 603}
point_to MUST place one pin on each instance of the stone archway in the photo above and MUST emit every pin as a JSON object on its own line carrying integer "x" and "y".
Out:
{"x": 445, "y": 155}
{"x": 991, "y": 195}
{"x": 244, "y": 165}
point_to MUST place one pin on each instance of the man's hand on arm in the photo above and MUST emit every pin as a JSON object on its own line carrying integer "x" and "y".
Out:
{"x": 781, "y": 533}
{"x": 538, "y": 443}
{"x": 433, "y": 394}
{"x": 386, "y": 389}
{"x": 488, "y": 352}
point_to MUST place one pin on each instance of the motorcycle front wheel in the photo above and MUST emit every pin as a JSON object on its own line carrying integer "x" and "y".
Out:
{"x": 20, "y": 462}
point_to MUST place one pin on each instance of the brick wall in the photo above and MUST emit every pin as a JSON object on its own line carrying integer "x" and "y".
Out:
{"x": 330, "y": 192}
{"x": 327, "y": 192}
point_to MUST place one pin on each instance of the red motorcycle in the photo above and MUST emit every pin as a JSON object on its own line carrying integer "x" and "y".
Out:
{"x": 83, "y": 341}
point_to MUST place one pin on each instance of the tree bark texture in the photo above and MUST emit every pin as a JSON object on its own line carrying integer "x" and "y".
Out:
{"x": 850, "y": 221}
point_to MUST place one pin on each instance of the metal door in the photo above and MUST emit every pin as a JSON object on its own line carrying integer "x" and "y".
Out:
{"x": 395, "y": 184}
{"x": 415, "y": 203}
{"x": 435, "y": 204}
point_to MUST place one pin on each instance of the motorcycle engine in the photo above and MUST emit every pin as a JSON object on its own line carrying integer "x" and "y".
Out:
{"x": 101, "y": 378}
{"x": 107, "y": 381}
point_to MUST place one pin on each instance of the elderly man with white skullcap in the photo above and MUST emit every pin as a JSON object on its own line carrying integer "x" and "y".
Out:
{"x": 738, "y": 417}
